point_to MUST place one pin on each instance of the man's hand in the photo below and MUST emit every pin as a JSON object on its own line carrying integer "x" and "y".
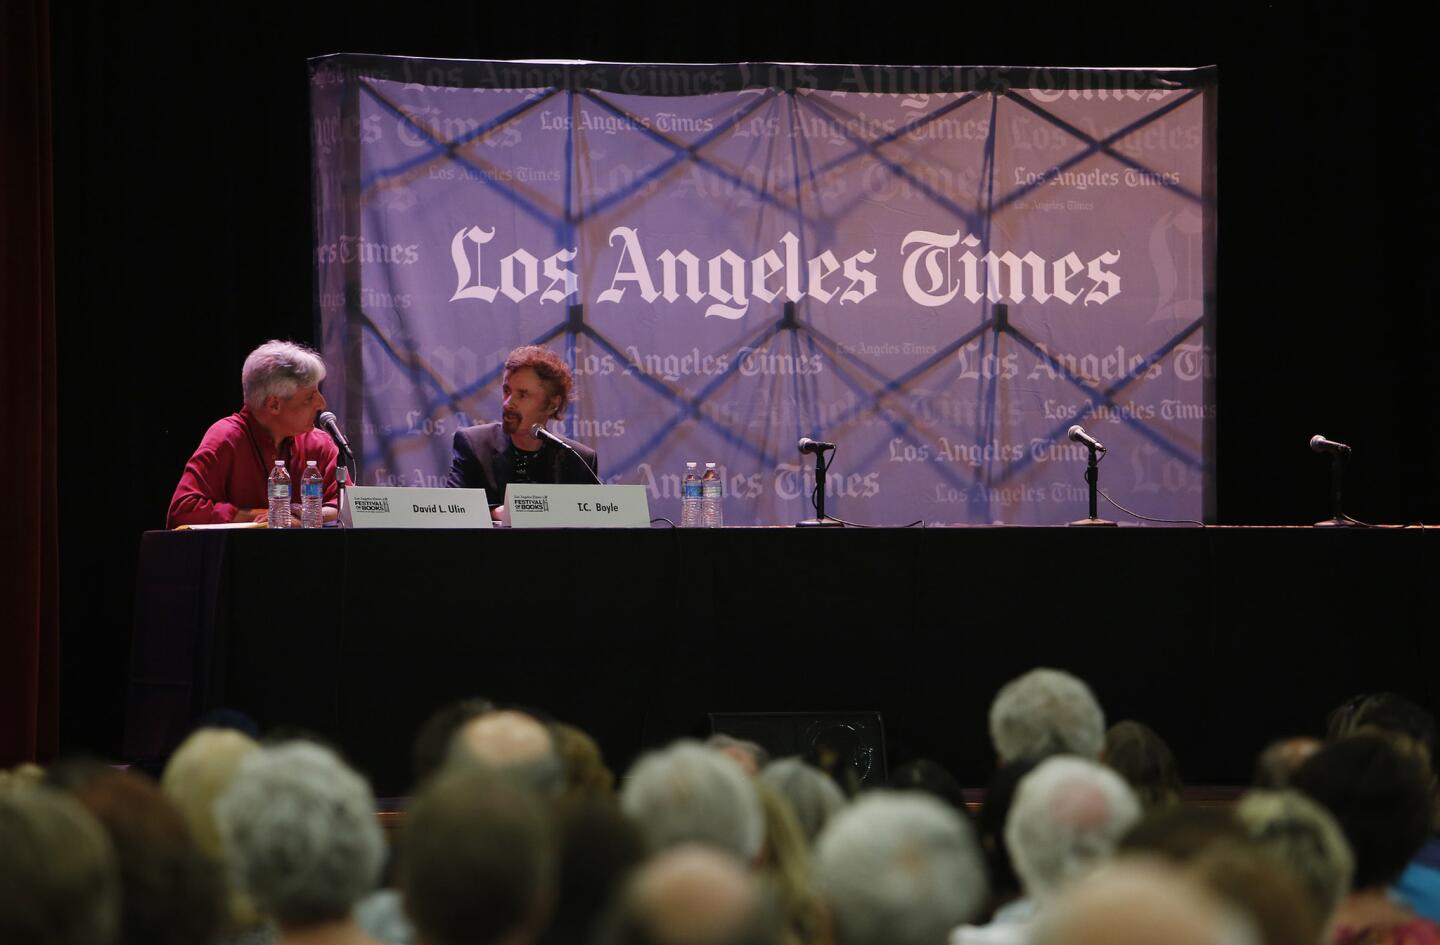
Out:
{"x": 263, "y": 515}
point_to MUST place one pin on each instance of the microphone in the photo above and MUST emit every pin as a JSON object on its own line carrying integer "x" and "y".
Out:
{"x": 325, "y": 420}
{"x": 808, "y": 445}
{"x": 1319, "y": 444}
{"x": 1078, "y": 434}
{"x": 540, "y": 433}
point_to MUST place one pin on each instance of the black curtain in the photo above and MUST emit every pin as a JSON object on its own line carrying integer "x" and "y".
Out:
{"x": 184, "y": 230}
{"x": 29, "y": 579}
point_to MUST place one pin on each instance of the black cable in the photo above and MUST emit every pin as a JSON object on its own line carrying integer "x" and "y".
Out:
{"x": 1163, "y": 521}
{"x": 919, "y": 521}
{"x": 663, "y": 519}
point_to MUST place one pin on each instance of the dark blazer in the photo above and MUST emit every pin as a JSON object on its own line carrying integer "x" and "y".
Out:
{"x": 482, "y": 461}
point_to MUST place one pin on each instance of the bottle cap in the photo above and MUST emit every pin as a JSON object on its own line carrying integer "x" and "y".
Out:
{"x": 279, "y": 462}
{"x": 690, "y": 465}
{"x": 709, "y": 465}
{"x": 311, "y": 462}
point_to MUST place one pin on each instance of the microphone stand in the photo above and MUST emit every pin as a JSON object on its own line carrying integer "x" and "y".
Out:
{"x": 1092, "y": 477}
{"x": 1337, "y": 479}
{"x": 821, "y": 520}
{"x": 345, "y": 475}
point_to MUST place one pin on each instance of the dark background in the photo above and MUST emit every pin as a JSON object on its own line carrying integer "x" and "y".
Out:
{"x": 183, "y": 227}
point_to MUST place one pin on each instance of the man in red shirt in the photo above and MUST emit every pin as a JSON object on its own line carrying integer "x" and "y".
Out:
{"x": 225, "y": 480}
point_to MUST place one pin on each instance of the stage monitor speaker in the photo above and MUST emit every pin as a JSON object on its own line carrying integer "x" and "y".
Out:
{"x": 850, "y": 746}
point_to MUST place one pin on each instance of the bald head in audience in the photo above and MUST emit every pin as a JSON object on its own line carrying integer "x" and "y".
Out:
{"x": 515, "y": 744}
{"x": 694, "y": 895}
{"x": 1281, "y": 759}
{"x": 1141, "y": 902}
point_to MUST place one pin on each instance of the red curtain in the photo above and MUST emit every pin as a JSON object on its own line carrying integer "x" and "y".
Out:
{"x": 29, "y": 585}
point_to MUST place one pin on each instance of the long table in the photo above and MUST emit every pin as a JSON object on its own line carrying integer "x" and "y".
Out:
{"x": 1219, "y": 638}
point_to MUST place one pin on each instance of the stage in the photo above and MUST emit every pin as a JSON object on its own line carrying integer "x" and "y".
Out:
{"x": 1220, "y": 638}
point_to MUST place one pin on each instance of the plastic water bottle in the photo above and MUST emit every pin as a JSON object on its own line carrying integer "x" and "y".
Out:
{"x": 312, "y": 496}
{"x": 279, "y": 492}
{"x": 690, "y": 498}
{"x": 712, "y": 498}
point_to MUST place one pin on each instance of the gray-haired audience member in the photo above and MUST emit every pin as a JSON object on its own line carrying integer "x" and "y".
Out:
{"x": 812, "y": 794}
{"x": 1045, "y": 712}
{"x": 58, "y": 879}
{"x": 1304, "y": 837}
{"x": 1141, "y": 902}
{"x": 1067, "y": 817}
{"x": 476, "y": 866}
{"x": 693, "y": 895}
{"x": 688, "y": 793}
{"x": 300, "y": 836}
{"x": 514, "y": 744}
{"x": 898, "y": 869}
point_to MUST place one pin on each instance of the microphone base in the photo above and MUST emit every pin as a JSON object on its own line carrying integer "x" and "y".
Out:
{"x": 820, "y": 523}
{"x": 1336, "y": 523}
{"x": 1094, "y": 521}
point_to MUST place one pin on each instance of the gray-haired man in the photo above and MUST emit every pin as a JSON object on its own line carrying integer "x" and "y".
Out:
{"x": 225, "y": 480}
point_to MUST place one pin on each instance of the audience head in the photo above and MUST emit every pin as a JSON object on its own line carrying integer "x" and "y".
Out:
{"x": 514, "y": 744}
{"x": 693, "y": 895}
{"x": 1067, "y": 817}
{"x": 597, "y": 847}
{"x": 813, "y": 795}
{"x": 931, "y": 778}
{"x": 1262, "y": 888}
{"x": 1044, "y": 712}
{"x": 1140, "y": 756}
{"x": 999, "y": 796}
{"x": 1302, "y": 835}
{"x": 1379, "y": 794}
{"x": 1141, "y": 902}
{"x": 899, "y": 869}
{"x": 432, "y": 743}
{"x": 1387, "y": 712}
{"x": 1279, "y": 760}
{"x": 585, "y": 772}
{"x": 1180, "y": 834}
{"x": 58, "y": 879}
{"x": 688, "y": 793}
{"x": 198, "y": 773}
{"x": 171, "y": 892}
{"x": 476, "y": 866}
{"x": 750, "y": 756}
{"x": 300, "y": 834}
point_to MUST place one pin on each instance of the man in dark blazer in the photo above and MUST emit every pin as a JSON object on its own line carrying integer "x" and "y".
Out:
{"x": 534, "y": 389}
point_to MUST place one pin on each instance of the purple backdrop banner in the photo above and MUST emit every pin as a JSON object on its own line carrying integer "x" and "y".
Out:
{"x": 940, "y": 270}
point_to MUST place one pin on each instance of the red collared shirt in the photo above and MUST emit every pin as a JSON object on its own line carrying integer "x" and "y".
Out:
{"x": 231, "y": 467}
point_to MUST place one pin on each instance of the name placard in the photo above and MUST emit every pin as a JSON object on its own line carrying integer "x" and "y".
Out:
{"x": 572, "y": 506}
{"x": 399, "y": 507}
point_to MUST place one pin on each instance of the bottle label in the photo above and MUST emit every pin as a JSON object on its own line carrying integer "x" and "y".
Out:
{"x": 280, "y": 490}
{"x": 311, "y": 490}
{"x": 692, "y": 490}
